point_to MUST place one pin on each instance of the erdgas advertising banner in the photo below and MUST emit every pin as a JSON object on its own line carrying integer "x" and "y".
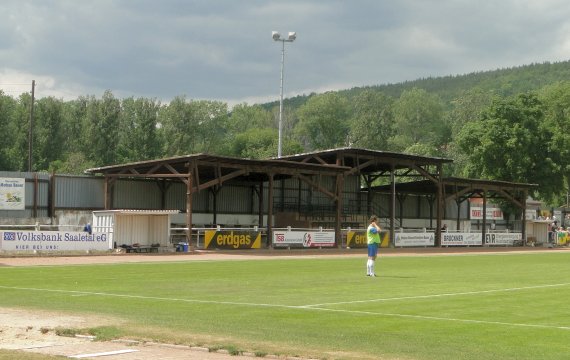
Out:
{"x": 234, "y": 239}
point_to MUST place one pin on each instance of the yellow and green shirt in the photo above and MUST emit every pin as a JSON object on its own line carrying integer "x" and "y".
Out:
{"x": 372, "y": 235}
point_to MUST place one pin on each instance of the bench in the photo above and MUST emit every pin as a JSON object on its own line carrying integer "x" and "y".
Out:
{"x": 141, "y": 249}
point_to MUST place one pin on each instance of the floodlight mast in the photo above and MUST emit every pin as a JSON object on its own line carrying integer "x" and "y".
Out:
{"x": 290, "y": 38}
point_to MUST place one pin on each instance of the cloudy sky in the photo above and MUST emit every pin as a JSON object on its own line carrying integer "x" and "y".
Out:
{"x": 223, "y": 50}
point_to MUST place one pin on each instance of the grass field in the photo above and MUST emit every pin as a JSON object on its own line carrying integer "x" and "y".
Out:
{"x": 493, "y": 306}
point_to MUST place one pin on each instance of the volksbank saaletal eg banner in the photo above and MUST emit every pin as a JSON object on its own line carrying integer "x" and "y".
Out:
{"x": 237, "y": 239}
{"x": 53, "y": 241}
{"x": 12, "y": 193}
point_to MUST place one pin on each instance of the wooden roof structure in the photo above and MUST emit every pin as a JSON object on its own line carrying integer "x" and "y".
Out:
{"x": 372, "y": 164}
{"x": 461, "y": 189}
{"x": 202, "y": 171}
{"x": 365, "y": 161}
{"x": 206, "y": 168}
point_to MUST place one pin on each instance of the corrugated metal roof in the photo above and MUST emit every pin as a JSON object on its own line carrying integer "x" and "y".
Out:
{"x": 356, "y": 157}
{"x": 453, "y": 185}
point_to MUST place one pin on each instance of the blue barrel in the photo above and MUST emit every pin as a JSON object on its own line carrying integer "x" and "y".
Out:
{"x": 185, "y": 247}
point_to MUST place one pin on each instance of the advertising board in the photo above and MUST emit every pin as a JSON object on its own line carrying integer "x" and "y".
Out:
{"x": 305, "y": 239}
{"x": 53, "y": 241}
{"x": 12, "y": 194}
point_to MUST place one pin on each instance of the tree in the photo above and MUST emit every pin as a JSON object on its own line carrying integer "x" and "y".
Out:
{"x": 74, "y": 163}
{"x": 177, "y": 127}
{"x": 556, "y": 100}
{"x": 7, "y": 107}
{"x": 255, "y": 144}
{"x": 49, "y": 136}
{"x": 323, "y": 122}
{"x": 76, "y": 126}
{"x": 419, "y": 119}
{"x": 512, "y": 143}
{"x": 373, "y": 120}
{"x": 193, "y": 126}
{"x": 19, "y": 128}
{"x": 466, "y": 108}
{"x": 244, "y": 117}
{"x": 139, "y": 139}
{"x": 213, "y": 126}
{"x": 421, "y": 150}
{"x": 103, "y": 129}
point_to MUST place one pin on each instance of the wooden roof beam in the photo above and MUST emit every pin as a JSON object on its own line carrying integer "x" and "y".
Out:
{"x": 219, "y": 180}
{"x": 317, "y": 186}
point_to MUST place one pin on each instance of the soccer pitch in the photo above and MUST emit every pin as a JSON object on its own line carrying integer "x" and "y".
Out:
{"x": 484, "y": 306}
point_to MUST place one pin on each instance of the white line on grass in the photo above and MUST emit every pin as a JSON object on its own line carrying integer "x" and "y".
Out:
{"x": 317, "y": 308}
{"x": 439, "y": 295}
{"x": 86, "y": 293}
{"x": 444, "y": 319}
{"x": 107, "y": 353}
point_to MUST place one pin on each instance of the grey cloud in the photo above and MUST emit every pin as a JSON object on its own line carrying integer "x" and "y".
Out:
{"x": 222, "y": 49}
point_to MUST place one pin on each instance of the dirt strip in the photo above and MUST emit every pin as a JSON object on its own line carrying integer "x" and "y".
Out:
{"x": 200, "y": 255}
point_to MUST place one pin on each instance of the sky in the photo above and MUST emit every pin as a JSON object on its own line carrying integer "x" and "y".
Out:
{"x": 223, "y": 49}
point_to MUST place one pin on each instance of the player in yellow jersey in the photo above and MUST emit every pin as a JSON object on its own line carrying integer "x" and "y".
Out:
{"x": 373, "y": 237}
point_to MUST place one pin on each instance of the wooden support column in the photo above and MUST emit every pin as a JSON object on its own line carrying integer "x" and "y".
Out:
{"x": 401, "y": 199}
{"x": 281, "y": 195}
{"x": 214, "y": 191}
{"x": 299, "y": 194}
{"x": 430, "y": 199}
{"x": 36, "y": 189}
{"x": 189, "y": 211}
{"x": 368, "y": 196}
{"x": 484, "y": 233}
{"x": 418, "y": 207}
{"x": 51, "y": 196}
{"x": 163, "y": 186}
{"x": 108, "y": 192}
{"x": 337, "y": 227}
{"x": 268, "y": 241}
{"x": 439, "y": 207}
{"x": 458, "y": 203}
{"x": 523, "y": 217}
{"x": 260, "y": 205}
{"x": 392, "y": 206}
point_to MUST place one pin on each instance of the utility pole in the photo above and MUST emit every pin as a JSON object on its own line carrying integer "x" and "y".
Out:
{"x": 31, "y": 136}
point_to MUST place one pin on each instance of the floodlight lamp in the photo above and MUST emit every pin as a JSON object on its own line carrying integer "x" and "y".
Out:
{"x": 276, "y": 36}
{"x": 292, "y": 35}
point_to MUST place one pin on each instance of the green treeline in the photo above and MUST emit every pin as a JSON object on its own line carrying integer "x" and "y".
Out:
{"x": 510, "y": 124}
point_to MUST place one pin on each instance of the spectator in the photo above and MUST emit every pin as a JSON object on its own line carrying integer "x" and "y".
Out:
{"x": 87, "y": 228}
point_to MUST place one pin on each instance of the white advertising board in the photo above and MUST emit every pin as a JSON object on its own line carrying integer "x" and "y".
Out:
{"x": 12, "y": 194}
{"x": 414, "y": 239}
{"x": 502, "y": 238}
{"x": 492, "y": 213}
{"x": 53, "y": 241}
{"x": 304, "y": 238}
{"x": 461, "y": 239}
